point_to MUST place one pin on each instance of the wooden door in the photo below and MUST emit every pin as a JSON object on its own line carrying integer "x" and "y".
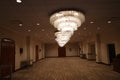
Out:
{"x": 7, "y": 56}
{"x": 111, "y": 52}
{"x": 61, "y": 51}
{"x": 36, "y": 51}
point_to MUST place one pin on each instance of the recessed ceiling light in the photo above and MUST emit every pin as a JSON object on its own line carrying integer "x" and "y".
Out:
{"x": 98, "y": 28}
{"x": 84, "y": 28}
{"x": 43, "y": 30}
{"x": 91, "y": 22}
{"x": 20, "y": 24}
{"x": 78, "y": 33}
{"x": 18, "y": 1}
{"x": 29, "y": 30}
{"x": 38, "y": 24}
{"x": 109, "y": 22}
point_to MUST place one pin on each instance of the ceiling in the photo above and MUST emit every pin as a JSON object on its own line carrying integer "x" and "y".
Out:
{"x": 34, "y": 16}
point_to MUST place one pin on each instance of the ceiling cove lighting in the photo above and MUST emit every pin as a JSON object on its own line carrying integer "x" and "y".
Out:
{"x": 66, "y": 23}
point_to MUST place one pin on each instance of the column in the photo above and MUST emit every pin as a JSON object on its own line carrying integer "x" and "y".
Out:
{"x": 98, "y": 48}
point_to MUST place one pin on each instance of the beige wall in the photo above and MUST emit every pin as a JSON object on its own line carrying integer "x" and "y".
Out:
{"x": 33, "y": 43}
{"x": 20, "y": 42}
{"x": 86, "y": 48}
{"x": 72, "y": 49}
{"x": 51, "y": 50}
{"x": 106, "y": 37}
{"x": 109, "y": 38}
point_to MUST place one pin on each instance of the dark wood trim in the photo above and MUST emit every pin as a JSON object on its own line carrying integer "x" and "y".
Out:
{"x": 103, "y": 63}
{"x": 51, "y": 57}
{"x": 58, "y": 56}
{"x": 72, "y": 56}
{"x": 91, "y": 59}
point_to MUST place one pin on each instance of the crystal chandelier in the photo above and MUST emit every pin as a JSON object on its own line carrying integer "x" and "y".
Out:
{"x": 66, "y": 23}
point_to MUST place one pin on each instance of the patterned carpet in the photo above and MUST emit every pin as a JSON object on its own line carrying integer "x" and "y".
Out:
{"x": 68, "y": 68}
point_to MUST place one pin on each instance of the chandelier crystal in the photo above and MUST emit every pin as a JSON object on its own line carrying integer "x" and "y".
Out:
{"x": 18, "y": 1}
{"x": 63, "y": 37}
{"x": 66, "y": 23}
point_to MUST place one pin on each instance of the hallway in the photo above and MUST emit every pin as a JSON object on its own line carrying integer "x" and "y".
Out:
{"x": 68, "y": 68}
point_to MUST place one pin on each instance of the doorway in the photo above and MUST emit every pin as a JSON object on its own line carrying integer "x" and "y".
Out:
{"x": 36, "y": 52}
{"x": 62, "y": 51}
{"x": 111, "y": 52}
{"x": 7, "y": 56}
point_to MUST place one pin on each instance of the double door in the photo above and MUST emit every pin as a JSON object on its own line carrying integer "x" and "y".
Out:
{"x": 62, "y": 51}
{"x": 7, "y": 56}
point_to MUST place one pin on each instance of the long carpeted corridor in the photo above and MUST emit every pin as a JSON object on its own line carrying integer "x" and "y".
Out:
{"x": 68, "y": 68}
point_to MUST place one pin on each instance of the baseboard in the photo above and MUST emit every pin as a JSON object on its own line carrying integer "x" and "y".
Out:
{"x": 38, "y": 60}
{"x": 103, "y": 63}
{"x": 91, "y": 59}
{"x": 59, "y": 57}
{"x": 51, "y": 57}
{"x": 27, "y": 66}
{"x": 72, "y": 56}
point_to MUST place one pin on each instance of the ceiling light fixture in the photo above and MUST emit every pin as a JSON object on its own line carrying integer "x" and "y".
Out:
{"x": 29, "y": 30}
{"x": 38, "y": 24}
{"x": 20, "y": 24}
{"x": 98, "y": 28}
{"x": 66, "y": 23}
{"x": 18, "y": 1}
{"x": 84, "y": 28}
{"x": 91, "y": 22}
{"x": 109, "y": 22}
{"x": 43, "y": 30}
